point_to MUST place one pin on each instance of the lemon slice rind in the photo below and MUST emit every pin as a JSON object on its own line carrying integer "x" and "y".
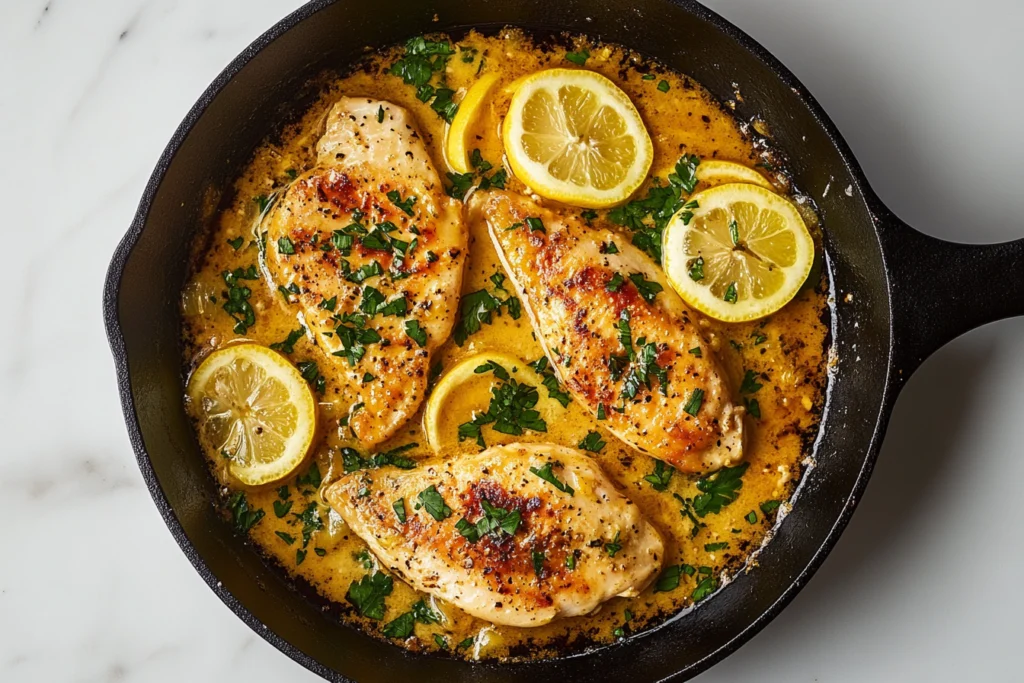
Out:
{"x": 677, "y": 259}
{"x": 456, "y": 147}
{"x": 274, "y": 371}
{"x": 714, "y": 172}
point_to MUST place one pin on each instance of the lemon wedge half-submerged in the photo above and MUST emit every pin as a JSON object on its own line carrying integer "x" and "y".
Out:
{"x": 575, "y": 137}
{"x": 254, "y": 408}
{"x": 466, "y": 387}
{"x": 743, "y": 253}
{"x": 714, "y": 172}
{"x": 458, "y": 138}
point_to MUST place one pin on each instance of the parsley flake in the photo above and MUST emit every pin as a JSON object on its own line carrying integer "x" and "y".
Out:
{"x": 547, "y": 475}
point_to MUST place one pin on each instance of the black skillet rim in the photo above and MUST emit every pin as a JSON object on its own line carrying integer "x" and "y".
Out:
{"x": 112, "y": 285}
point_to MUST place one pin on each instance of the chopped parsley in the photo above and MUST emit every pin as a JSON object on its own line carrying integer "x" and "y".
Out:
{"x": 588, "y": 215}
{"x": 712, "y": 547}
{"x": 658, "y": 207}
{"x": 495, "y": 521}
{"x": 478, "y": 308}
{"x": 401, "y": 628}
{"x": 342, "y": 242}
{"x": 354, "y": 340}
{"x": 286, "y": 537}
{"x": 696, "y": 401}
{"x": 399, "y": 507}
{"x": 286, "y": 246}
{"x": 613, "y": 546}
{"x": 288, "y": 291}
{"x": 352, "y": 461}
{"x": 663, "y": 85}
{"x": 423, "y": 614}
{"x": 236, "y": 243}
{"x": 609, "y": 248}
{"x": 730, "y": 293}
{"x": 554, "y": 389}
{"x": 751, "y": 517}
{"x": 288, "y": 345}
{"x": 443, "y": 104}
{"x": 648, "y": 289}
{"x": 592, "y": 442}
{"x": 696, "y": 269}
{"x": 547, "y": 475}
{"x": 311, "y": 478}
{"x": 535, "y": 224}
{"x": 311, "y": 522}
{"x": 750, "y": 385}
{"x": 461, "y": 182}
{"x": 615, "y": 283}
{"x": 578, "y": 58}
{"x": 668, "y": 580}
{"x": 373, "y": 303}
{"x": 237, "y": 304}
{"x": 368, "y": 594}
{"x": 511, "y": 410}
{"x": 644, "y": 363}
{"x": 403, "y": 204}
{"x": 282, "y": 507}
{"x": 705, "y": 588}
{"x": 328, "y": 304}
{"x": 431, "y": 501}
{"x": 416, "y": 332}
{"x": 243, "y": 517}
{"x": 719, "y": 489}
{"x": 770, "y": 506}
{"x": 365, "y": 272}
{"x": 753, "y": 407}
{"x": 734, "y": 231}
{"x": 661, "y": 476}
{"x": 538, "y": 563}
{"x": 422, "y": 60}
{"x": 695, "y": 351}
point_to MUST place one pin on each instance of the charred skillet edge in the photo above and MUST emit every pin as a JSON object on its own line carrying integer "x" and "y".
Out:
{"x": 123, "y": 252}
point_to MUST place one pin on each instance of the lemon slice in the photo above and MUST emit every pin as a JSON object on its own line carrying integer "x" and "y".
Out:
{"x": 253, "y": 407}
{"x": 462, "y": 389}
{"x": 712, "y": 172}
{"x": 457, "y": 139}
{"x": 575, "y": 137}
{"x": 743, "y": 255}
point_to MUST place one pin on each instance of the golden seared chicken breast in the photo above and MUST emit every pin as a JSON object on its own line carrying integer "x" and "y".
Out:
{"x": 622, "y": 342}
{"x": 372, "y": 251}
{"x": 516, "y": 535}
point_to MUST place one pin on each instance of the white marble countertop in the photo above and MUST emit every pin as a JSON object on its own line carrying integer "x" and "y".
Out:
{"x": 924, "y": 586}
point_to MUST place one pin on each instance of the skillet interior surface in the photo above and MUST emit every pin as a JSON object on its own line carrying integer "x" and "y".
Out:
{"x": 270, "y": 82}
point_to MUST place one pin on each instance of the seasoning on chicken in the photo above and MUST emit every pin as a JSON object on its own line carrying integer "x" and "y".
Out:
{"x": 518, "y": 535}
{"x": 621, "y": 341}
{"x": 373, "y": 250}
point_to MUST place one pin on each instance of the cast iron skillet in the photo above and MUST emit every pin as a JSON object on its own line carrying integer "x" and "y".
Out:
{"x": 900, "y": 295}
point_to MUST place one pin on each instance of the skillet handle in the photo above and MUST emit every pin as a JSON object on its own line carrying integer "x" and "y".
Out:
{"x": 940, "y": 290}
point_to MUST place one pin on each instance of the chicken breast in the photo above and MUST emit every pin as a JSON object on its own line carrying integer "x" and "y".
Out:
{"x": 517, "y": 535}
{"x": 373, "y": 251}
{"x": 622, "y": 342}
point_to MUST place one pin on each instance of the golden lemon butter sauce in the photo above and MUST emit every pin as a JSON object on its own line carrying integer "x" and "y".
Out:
{"x": 786, "y": 351}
